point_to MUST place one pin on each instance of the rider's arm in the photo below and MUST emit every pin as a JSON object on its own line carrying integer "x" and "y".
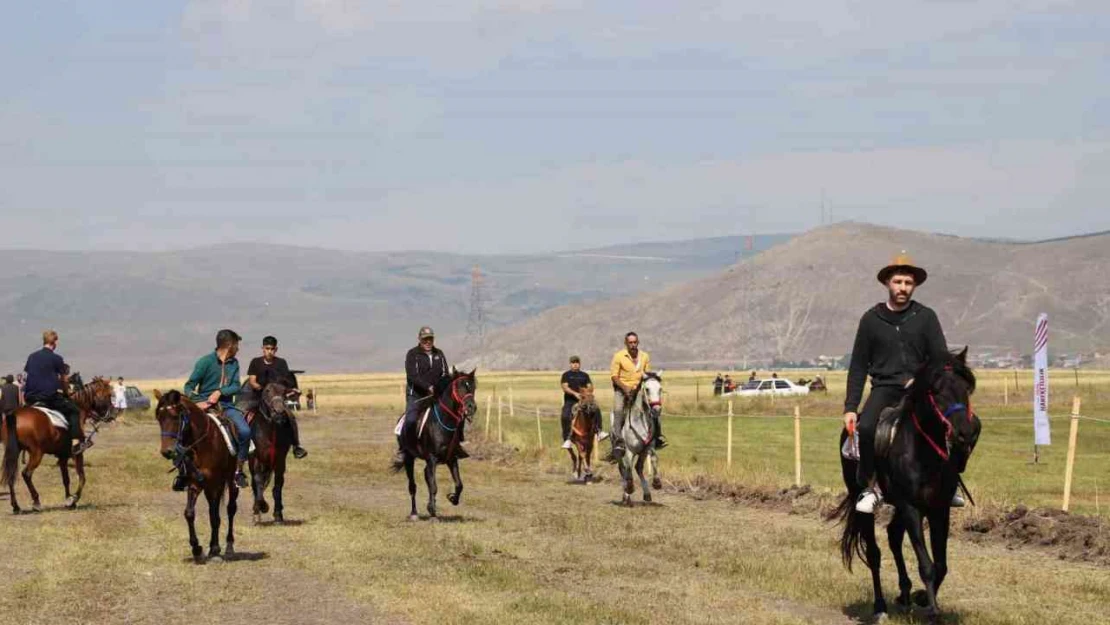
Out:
{"x": 857, "y": 368}
{"x": 191, "y": 385}
{"x": 233, "y": 385}
{"x": 252, "y": 381}
{"x": 615, "y": 372}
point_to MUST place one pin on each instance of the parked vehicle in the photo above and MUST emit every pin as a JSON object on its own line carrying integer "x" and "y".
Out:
{"x": 136, "y": 400}
{"x": 778, "y": 386}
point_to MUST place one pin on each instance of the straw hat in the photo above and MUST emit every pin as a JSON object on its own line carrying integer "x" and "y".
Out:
{"x": 902, "y": 263}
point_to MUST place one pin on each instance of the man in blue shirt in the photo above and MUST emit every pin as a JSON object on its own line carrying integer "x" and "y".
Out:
{"x": 47, "y": 377}
{"x": 215, "y": 382}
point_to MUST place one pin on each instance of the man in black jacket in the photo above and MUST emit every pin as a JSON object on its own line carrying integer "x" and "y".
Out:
{"x": 9, "y": 396}
{"x": 425, "y": 366}
{"x": 47, "y": 379}
{"x": 263, "y": 370}
{"x": 895, "y": 339}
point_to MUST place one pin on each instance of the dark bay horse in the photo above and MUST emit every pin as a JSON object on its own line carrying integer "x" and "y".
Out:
{"x": 273, "y": 439}
{"x": 437, "y": 443}
{"x": 190, "y": 436}
{"x": 38, "y": 436}
{"x": 584, "y": 418}
{"x": 919, "y": 474}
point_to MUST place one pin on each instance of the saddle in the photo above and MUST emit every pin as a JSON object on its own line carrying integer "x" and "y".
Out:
{"x": 397, "y": 431}
{"x": 57, "y": 419}
{"x": 887, "y": 427}
{"x": 227, "y": 430}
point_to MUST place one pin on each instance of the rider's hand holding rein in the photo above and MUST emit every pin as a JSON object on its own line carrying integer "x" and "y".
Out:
{"x": 850, "y": 419}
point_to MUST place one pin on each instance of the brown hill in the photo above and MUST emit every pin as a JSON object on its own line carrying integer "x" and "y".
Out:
{"x": 803, "y": 298}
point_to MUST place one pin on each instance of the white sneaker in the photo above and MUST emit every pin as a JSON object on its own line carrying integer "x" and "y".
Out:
{"x": 602, "y": 436}
{"x": 566, "y": 444}
{"x": 868, "y": 501}
{"x": 958, "y": 500}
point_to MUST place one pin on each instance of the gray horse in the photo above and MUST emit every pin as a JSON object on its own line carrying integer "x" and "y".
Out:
{"x": 639, "y": 437}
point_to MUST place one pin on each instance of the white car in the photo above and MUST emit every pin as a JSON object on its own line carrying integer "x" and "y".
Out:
{"x": 777, "y": 386}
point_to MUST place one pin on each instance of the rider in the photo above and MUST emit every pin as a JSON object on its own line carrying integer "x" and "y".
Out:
{"x": 269, "y": 368}
{"x": 627, "y": 371}
{"x": 425, "y": 366}
{"x": 9, "y": 396}
{"x": 573, "y": 381}
{"x": 215, "y": 382}
{"x": 895, "y": 338}
{"x": 47, "y": 377}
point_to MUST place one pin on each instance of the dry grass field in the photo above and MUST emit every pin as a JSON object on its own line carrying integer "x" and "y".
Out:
{"x": 527, "y": 547}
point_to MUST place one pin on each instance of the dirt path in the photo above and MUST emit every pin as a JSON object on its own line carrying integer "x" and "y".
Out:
{"x": 524, "y": 547}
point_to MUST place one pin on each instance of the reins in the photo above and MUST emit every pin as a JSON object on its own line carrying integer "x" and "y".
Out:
{"x": 944, "y": 417}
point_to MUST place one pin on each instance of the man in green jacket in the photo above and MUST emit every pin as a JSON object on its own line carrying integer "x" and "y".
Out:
{"x": 215, "y": 381}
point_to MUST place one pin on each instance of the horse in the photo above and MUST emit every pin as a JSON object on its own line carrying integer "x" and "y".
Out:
{"x": 29, "y": 429}
{"x": 191, "y": 437}
{"x": 585, "y": 416}
{"x": 936, "y": 433}
{"x": 436, "y": 438}
{"x": 644, "y": 406}
{"x": 273, "y": 440}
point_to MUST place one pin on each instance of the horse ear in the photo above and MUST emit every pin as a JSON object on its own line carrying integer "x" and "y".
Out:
{"x": 962, "y": 356}
{"x": 157, "y": 395}
{"x": 454, "y": 371}
{"x": 472, "y": 372}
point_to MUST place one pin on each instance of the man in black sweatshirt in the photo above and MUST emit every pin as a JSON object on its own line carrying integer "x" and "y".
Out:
{"x": 425, "y": 366}
{"x": 895, "y": 339}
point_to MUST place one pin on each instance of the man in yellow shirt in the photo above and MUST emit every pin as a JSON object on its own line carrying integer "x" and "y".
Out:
{"x": 627, "y": 371}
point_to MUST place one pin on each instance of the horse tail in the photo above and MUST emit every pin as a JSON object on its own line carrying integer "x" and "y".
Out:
{"x": 396, "y": 466}
{"x": 852, "y": 544}
{"x": 11, "y": 452}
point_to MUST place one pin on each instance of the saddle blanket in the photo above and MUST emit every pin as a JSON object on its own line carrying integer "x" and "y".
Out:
{"x": 419, "y": 431}
{"x": 57, "y": 418}
{"x": 224, "y": 432}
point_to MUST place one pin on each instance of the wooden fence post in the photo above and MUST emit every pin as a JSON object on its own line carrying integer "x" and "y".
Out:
{"x": 697, "y": 395}
{"x": 1005, "y": 391}
{"x": 489, "y": 408}
{"x": 315, "y": 399}
{"x": 500, "y": 437}
{"x": 797, "y": 446}
{"x": 1073, "y": 436}
{"x": 539, "y": 430}
{"x": 728, "y": 455}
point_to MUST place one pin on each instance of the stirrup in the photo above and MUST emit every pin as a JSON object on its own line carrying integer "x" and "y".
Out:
{"x": 957, "y": 500}
{"x": 299, "y": 452}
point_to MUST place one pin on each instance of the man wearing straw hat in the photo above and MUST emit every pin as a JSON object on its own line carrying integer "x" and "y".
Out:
{"x": 894, "y": 340}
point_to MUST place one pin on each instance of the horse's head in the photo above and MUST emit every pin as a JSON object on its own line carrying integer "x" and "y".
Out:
{"x": 653, "y": 390}
{"x": 97, "y": 397}
{"x": 946, "y": 389}
{"x": 272, "y": 407}
{"x": 459, "y": 392}
{"x": 172, "y": 413}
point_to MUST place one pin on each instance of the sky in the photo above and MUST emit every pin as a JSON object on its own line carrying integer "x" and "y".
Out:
{"x": 501, "y": 127}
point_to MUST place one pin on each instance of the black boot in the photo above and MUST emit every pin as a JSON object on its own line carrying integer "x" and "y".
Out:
{"x": 660, "y": 442}
{"x": 180, "y": 482}
{"x": 298, "y": 451}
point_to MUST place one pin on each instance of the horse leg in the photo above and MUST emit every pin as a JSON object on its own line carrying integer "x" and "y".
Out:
{"x": 430, "y": 479}
{"x": 79, "y": 467}
{"x": 626, "y": 479}
{"x": 190, "y": 519}
{"x": 895, "y": 532}
{"x": 656, "y": 480}
{"x": 644, "y": 488}
{"x": 279, "y": 484}
{"x": 63, "y": 467}
{"x": 410, "y": 471}
{"x": 938, "y": 540}
{"x": 915, "y": 528}
{"x": 232, "y": 508}
{"x": 575, "y": 472}
{"x": 874, "y": 562}
{"x": 456, "y": 496}
{"x": 33, "y": 460}
{"x": 213, "y": 520}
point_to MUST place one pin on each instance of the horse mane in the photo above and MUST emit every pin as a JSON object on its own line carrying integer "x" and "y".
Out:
{"x": 171, "y": 397}
{"x": 951, "y": 363}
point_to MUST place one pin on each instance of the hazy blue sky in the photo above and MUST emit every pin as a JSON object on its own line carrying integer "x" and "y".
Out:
{"x": 499, "y": 126}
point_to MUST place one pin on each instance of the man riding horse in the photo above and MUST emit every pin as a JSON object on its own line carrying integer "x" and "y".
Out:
{"x": 573, "y": 382}
{"x": 214, "y": 384}
{"x": 47, "y": 381}
{"x": 425, "y": 366}
{"x": 627, "y": 372}
{"x": 262, "y": 371}
{"x": 895, "y": 339}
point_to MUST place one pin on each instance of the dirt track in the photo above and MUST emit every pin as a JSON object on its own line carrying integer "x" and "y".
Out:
{"x": 525, "y": 546}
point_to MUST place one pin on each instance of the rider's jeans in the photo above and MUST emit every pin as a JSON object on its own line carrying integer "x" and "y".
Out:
{"x": 620, "y": 413}
{"x": 241, "y": 427}
{"x": 881, "y": 397}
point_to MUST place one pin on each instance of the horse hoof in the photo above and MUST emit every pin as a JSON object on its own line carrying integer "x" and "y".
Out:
{"x": 36, "y": 507}
{"x": 414, "y": 517}
{"x": 627, "y": 500}
{"x": 230, "y": 551}
{"x": 71, "y": 503}
{"x": 881, "y": 617}
{"x": 433, "y": 518}
{"x": 453, "y": 498}
{"x": 657, "y": 484}
{"x": 647, "y": 497}
{"x": 279, "y": 518}
{"x": 263, "y": 506}
{"x": 921, "y": 598}
{"x": 197, "y": 551}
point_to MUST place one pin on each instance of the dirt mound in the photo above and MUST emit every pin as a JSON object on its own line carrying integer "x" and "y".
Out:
{"x": 1068, "y": 536}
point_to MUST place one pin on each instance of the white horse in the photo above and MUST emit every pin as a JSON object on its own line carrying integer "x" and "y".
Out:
{"x": 639, "y": 435}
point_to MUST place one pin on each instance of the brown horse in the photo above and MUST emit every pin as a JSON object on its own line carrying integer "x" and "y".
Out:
{"x": 584, "y": 418}
{"x": 38, "y": 436}
{"x": 192, "y": 439}
{"x": 273, "y": 439}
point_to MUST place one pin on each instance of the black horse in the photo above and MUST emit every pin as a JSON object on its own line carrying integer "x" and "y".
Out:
{"x": 273, "y": 438}
{"x": 918, "y": 475}
{"x": 444, "y": 417}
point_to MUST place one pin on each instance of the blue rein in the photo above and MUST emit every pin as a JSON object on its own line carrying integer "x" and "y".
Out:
{"x": 439, "y": 419}
{"x": 953, "y": 408}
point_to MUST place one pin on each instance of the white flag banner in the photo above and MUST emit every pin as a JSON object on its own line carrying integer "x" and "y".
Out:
{"x": 1041, "y": 434}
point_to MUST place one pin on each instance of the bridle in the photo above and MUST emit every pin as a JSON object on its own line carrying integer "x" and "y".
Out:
{"x": 945, "y": 417}
{"x": 185, "y": 424}
{"x": 463, "y": 413}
